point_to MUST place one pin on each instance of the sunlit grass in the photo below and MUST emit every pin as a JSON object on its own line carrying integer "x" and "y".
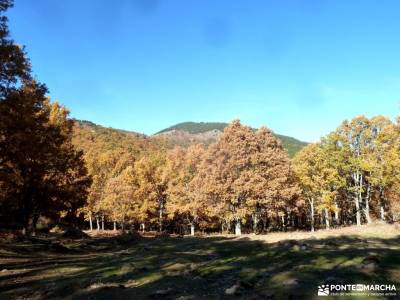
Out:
{"x": 206, "y": 267}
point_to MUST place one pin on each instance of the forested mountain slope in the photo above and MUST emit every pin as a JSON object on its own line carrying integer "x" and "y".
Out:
{"x": 207, "y": 132}
{"x": 90, "y": 136}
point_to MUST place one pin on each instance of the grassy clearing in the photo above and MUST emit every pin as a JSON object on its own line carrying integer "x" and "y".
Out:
{"x": 275, "y": 266}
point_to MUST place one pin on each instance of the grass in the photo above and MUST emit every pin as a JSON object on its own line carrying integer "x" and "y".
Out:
{"x": 274, "y": 266}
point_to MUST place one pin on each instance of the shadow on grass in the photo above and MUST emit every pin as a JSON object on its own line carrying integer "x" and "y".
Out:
{"x": 206, "y": 268}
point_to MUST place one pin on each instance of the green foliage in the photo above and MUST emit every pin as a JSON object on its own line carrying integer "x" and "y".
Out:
{"x": 194, "y": 127}
{"x": 291, "y": 144}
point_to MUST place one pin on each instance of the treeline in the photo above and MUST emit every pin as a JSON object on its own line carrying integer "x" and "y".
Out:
{"x": 352, "y": 175}
{"x": 246, "y": 181}
{"x": 244, "y": 177}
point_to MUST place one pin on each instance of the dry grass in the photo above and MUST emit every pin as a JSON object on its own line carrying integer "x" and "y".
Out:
{"x": 286, "y": 265}
{"x": 376, "y": 230}
{"x": 103, "y": 233}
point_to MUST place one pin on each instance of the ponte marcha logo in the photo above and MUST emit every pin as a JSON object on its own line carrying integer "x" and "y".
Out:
{"x": 323, "y": 290}
{"x": 363, "y": 289}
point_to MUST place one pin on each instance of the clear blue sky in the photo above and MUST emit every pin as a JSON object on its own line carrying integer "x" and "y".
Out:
{"x": 298, "y": 66}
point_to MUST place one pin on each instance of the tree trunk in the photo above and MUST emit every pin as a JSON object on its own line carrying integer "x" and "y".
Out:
{"x": 336, "y": 213}
{"x": 98, "y": 223}
{"x": 161, "y": 215}
{"x": 360, "y": 193}
{"x": 255, "y": 222}
{"x": 327, "y": 219}
{"x": 265, "y": 219}
{"x": 358, "y": 216}
{"x": 357, "y": 199}
{"x": 312, "y": 214}
{"x": 29, "y": 228}
{"x": 238, "y": 227}
{"x": 382, "y": 204}
{"x": 115, "y": 226}
{"x": 142, "y": 227}
{"x": 283, "y": 223}
{"x": 90, "y": 222}
{"x": 192, "y": 229}
{"x": 367, "y": 214}
{"x": 27, "y": 213}
{"x": 102, "y": 222}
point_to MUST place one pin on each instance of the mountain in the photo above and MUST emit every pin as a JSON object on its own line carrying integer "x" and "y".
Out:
{"x": 207, "y": 132}
{"x": 90, "y": 137}
{"x": 196, "y": 127}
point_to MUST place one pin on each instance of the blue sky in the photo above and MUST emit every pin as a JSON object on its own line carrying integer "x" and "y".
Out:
{"x": 298, "y": 66}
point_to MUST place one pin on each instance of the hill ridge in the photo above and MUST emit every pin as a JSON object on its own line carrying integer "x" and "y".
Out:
{"x": 199, "y": 131}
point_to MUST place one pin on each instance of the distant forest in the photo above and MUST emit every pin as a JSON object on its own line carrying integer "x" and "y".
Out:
{"x": 291, "y": 144}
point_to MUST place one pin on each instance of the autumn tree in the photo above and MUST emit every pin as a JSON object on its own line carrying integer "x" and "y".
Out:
{"x": 122, "y": 201}
{"x": 273, "y": 191}
{"x": 184, "y": 200}
{"x": 383, "y": 161}
{"x": 246, "y": 173}
{"x": 41, "y": 173}
{"x": 306, "y": 169}
{"x": 14, "y": 68}
{"x": 103, "y": 166}
{"x": 358, "y": 162}
{"x": 354, "y": 136}
{"x": 373, "y": 159}
{"x": 153, "y": 184}
{"x": 14, "y": 65}
{"x": 321, "y": 172}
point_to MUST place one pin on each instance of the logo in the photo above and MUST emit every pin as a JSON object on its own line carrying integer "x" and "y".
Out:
{"x": 323, "y": 290}
{"x": 387, "y": 290}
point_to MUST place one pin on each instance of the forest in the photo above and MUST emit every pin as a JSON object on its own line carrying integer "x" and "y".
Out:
{"x": 54, "y": 172}
{"x": 246, "y": 182}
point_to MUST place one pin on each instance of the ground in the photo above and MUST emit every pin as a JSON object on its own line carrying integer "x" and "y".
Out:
{"x": 273, "y": 266}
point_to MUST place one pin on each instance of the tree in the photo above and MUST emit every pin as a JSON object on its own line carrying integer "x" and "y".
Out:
{"x": 354, "y": 136}
{"x": 121, "y": 200}
{"x": 359, "y": 160}
{"x": 153, "y": 184}
{"x": 245, "y": 173}
{"x": 306, "y": 169}
{"x": 184, "y": 199}
{"x": 221, "y": 172}
{"x": 272, "y": 187}
{"x": 103, "y": 165}
{"x": 42, "y": 172}
{"x": 14, "y": 66}
{"x": 383, "y": 161}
